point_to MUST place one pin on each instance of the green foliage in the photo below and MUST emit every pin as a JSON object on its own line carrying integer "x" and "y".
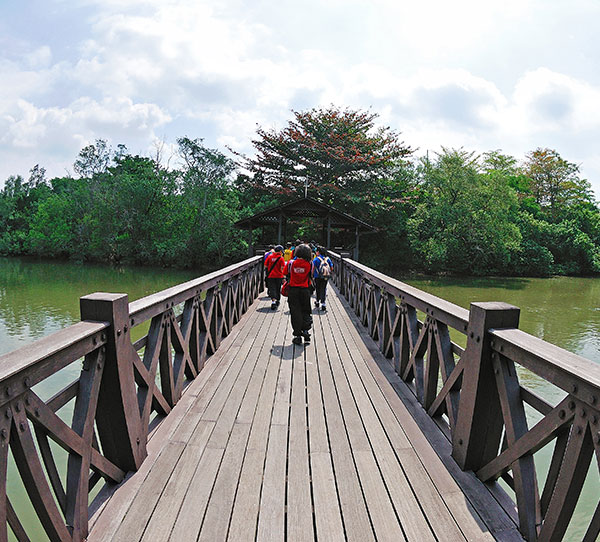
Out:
{"x": 555, "y": 183}
{"x": 465, "y": 224}
{"x": 456, "y": 213}
{"x": 127, "y": 209}
{"x": 340, "y": 154}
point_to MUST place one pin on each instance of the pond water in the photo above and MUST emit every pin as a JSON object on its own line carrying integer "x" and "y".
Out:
{"x": 38, "y": 298}
{"x": 564, "y": 311}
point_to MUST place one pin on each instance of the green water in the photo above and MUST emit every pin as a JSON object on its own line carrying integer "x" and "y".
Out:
{"x": 38, "y": 298}
{"x": 562, "y": 310}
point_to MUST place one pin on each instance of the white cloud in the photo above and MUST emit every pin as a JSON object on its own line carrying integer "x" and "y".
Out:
{"x": 461, "y": 74}
{"x": 53, "y": 136}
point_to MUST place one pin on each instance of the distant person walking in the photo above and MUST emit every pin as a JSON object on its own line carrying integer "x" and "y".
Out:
{"x": 299, "y": 275}
{"x": 265, "y": 258}
{"x": 275, "y": 265}
{"x": 322, "y": 268}
{"x": 287, "y": 253}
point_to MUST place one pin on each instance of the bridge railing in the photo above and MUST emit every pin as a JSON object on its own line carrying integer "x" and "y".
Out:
{"x": 122, "y": 389}
{"x": 497, "y": 425}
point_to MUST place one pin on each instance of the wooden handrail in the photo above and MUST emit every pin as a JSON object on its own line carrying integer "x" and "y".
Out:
{"x": 145, "y": 308}
{"x": 115, "y": 394}
{"x": 475, "y": 394}
{"x": 566, "y": 370}
{"x": 49, "y": 354}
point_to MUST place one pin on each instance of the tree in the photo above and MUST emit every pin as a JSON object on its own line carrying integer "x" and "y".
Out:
{"x": 95, "y": 159}
{"x": 464, "y": 223}
{"x": 339, "y": 152}
{"x": 204, "y": 169}
{"x": 555, "y": 182}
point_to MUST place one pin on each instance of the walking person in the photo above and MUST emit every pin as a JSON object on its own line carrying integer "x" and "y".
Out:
{"x": 322, "y": 267}
{"x": 287, "y": 253}
{"x": 299, "y": 272}
{"x": 265, "y": 258}
{"x": 275, "y": 265}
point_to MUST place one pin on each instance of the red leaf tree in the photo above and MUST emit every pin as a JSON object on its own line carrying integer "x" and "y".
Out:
{"x": 339, "y": 154}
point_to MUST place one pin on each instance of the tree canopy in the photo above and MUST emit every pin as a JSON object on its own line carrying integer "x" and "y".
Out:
{"x": 456, "y": 212}
{"x": 339, "y": 153}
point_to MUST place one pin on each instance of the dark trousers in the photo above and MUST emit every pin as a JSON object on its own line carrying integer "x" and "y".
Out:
{"x": 274, "y": 288}
{"x": 321, "y": 287}
{"x": 300, "y": 309}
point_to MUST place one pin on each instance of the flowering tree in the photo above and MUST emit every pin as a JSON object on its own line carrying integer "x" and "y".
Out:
{"x": 338, "y": 152}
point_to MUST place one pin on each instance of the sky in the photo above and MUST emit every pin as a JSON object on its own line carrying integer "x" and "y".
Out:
{"x": 512, "y": 75}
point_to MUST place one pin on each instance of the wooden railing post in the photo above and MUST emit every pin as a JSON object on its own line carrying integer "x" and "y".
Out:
{"x": 118, "y": 417}
{"x": 476, "y": 439}
{"x": 341, "y": 286}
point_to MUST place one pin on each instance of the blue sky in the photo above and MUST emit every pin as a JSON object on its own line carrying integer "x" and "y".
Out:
{"x": 512, "y": 75}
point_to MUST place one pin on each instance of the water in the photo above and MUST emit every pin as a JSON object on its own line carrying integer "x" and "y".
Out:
{"x": 38, "y": 298}
{"x": 564, "y": 311}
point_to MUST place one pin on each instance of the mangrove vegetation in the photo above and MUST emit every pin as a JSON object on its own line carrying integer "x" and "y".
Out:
{"x": 453, "y": 211}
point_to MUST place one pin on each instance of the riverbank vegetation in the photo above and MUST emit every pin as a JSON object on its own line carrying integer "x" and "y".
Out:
{"x": 448, "y": 212}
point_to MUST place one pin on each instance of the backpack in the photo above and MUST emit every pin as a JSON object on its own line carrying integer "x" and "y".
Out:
{"x": 325, "y": 269}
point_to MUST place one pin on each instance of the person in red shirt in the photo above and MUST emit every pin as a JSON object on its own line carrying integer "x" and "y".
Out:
{"x": 274, "y": 266}
{"x": 299, "y": 273}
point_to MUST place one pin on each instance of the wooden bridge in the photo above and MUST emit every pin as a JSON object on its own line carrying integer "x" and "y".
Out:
{"x": 213, "y": 426}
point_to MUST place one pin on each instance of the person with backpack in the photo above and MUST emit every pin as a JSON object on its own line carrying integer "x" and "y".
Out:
{"x": 322, "y": 268}
{"x": 275, "y": 265}
{"x": 299, "y": 273}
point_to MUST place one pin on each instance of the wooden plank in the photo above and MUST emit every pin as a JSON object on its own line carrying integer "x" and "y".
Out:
{"x": 218, "y": 513}
{"x": 299, "y": 502}
{"x": 244, "y": 517}
{"x": 231, "y": 408}
{"x": 426, "y": 438}
{"x": 163, "y": 517}
{"x": 366, "y": 391}
{"x": 352, "y": 504}
{"x": 271, "y": 519}
{"x": 138, "y": 515}
{"x": 264, "y": 409}
{"x": 367, "y": 396}
{"x": 352, "y": 420}
{"x": 279, "y": 322}
{"x": 378, "y": 501}
{"x": 408, "y": 507}
{"x": 371, "y": 404}
{"x": 188, "y": 522}
{"x": 219, "y": 399}
{"x": 184, "y": 416}
{"x": 317, "y": 431}
{"x": 328, "y": 518}
{"x": 281, "y": 405}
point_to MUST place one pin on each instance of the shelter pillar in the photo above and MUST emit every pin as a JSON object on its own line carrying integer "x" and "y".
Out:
{"x": 357, "y": 245}
{"x": 328, "y": 232}
{"x": 279, "y": 228}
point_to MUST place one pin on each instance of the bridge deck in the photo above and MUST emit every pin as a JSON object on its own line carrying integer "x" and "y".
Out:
{"x": 276, "y": 442}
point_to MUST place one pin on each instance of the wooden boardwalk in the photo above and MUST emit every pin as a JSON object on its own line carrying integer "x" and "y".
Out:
{"x": 278, "y": 442}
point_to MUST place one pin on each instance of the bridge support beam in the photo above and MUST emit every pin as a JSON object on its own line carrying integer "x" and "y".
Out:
{"x": 476, "y": 439}
{"x": 117, "y": 417}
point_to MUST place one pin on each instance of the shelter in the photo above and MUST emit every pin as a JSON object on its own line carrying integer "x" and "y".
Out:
{"x": 278, "y": 217}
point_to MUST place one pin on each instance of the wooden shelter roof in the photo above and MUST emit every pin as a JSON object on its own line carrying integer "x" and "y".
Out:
{"x": 300, "y": 208}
